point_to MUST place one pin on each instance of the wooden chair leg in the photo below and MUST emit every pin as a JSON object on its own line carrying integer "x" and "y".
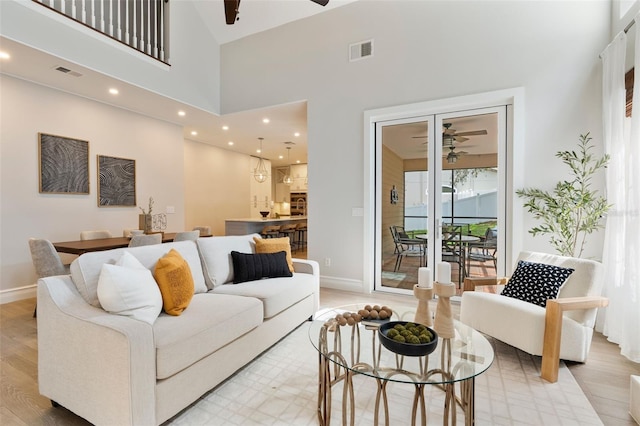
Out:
{"x": 551, "y": 345}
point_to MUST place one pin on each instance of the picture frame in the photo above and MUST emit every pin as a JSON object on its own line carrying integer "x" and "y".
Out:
{"x": 116, "y": 182}
{"x": 63, "y": 165}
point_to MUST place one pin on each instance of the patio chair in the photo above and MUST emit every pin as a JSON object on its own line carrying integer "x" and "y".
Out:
{"x": 406, "y": 246}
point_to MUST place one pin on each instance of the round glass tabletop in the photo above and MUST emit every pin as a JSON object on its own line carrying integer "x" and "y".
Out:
{"x": 358, "y": 349}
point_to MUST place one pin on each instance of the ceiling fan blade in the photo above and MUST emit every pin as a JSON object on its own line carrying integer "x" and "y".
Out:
{"x": 449, "y": 131}
{"x": 231, "y": 10}
{"x": 321, "y": 2}
{"x": 459, "y": 138}
{"x": 472, "y": 133}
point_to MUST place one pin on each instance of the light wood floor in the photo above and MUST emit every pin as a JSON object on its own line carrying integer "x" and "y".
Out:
{"x": 604, "y": 379}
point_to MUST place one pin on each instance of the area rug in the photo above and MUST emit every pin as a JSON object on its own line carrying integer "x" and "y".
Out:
{"x": 280, "y": 388}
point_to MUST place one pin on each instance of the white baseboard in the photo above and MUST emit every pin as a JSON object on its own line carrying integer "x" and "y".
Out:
{"x": 336, "y": 283}
{"x": 20, "y": 293}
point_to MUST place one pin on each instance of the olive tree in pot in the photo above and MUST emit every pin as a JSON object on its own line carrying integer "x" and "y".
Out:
{"x": 573, "y": 209}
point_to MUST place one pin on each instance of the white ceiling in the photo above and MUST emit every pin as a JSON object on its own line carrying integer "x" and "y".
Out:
{"x": 244, "y": 128}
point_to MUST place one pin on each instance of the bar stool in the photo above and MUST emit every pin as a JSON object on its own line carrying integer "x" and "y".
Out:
{"x": 270, "y": 231}
{"x": 301, "y": 231}
{"x": 289, "y": 230}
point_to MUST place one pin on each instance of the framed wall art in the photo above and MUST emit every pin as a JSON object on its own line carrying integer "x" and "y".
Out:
{"x": 63, "y": 165}
{"x": 116, "y": 182}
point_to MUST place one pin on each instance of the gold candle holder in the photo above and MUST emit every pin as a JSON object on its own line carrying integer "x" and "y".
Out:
{"x": 423, "y": 314}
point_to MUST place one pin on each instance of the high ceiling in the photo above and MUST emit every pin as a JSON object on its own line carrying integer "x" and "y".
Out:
{"x": 244, "y": 128}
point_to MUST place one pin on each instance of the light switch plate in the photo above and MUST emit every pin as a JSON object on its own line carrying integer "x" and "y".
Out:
{"x": 171, "y": 209}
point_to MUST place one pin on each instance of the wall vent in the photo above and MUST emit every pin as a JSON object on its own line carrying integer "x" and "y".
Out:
{"x": 68, "y": 71}
{"x": 360, "y": 50}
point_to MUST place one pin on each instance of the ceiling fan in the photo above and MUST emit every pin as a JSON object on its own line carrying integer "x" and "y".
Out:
{"x": 449, "y": 135}
{"x": 232, "y": 9}
{"x": 452, "y": 156}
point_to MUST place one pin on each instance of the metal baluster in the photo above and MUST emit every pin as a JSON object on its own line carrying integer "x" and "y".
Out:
{"x": 74, "y": 14}
{"x": 134, "y": 24}
{"x": 148, "y": 27}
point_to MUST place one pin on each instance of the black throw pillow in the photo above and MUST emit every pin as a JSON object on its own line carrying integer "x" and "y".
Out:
{"x": 251, "y": 267}
{"x": 536, "y": 282}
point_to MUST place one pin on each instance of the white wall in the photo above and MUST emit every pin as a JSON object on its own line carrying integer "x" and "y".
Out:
{"x": 217, "y": 186}
{"x": 422, "y": 51}
{"x": 25, "y": 110}
{"x": 192, "y": 78}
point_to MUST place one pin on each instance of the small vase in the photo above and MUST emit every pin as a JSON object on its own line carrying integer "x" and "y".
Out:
{"x": 144, "y": 223}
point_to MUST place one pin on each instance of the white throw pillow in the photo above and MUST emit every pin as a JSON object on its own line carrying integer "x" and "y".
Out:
{"x": 128, "y": 288}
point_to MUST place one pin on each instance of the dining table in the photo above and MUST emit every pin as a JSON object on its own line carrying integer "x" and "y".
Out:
{"x": 84, "y": 246}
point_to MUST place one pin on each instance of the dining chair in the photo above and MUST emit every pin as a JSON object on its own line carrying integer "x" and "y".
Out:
{"x": 45, "y": 260}
{"x": 145, "y": 240}
{"x": 453, "y": 250}
{"x": 187, "y": 235}
{"x": 94, "y": 235}
{"x": 486, "y": 249}
{"x": 205, "y": 231}
{"x": 406, "y": 246}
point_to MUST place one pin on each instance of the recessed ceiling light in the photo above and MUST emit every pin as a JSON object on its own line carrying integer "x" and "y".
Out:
{"x": 296, "y": 134}
{"x": 258, "y": 150}
{"x": 182, "y": 113}
{"x": 4, "y": 55}
{"x": 113, "y": 91}
{"x": 225, "y": 127}
{"x": 297, "y": 161}
{"x": 265, "y": 120}
{"x": 281, "y": 156}
{"x": 194, "y": 133}
{"x": 230, "y": 143}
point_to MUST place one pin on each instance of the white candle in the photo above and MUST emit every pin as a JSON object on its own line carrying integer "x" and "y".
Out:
{"x": 424, "y": 278}
{"x": 443, "y": 273}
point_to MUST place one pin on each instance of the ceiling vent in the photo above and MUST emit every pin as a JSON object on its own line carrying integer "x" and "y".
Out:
{"x": 360, "y": 50}
{"x": 68, "y": 71}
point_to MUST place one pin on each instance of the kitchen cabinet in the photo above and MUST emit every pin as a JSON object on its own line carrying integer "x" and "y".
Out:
{"x": 299, "y": 175}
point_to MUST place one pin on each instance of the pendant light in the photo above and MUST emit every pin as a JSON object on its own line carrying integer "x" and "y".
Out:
{"x": 287, "y": 180}
{"x": 260, "y": 173}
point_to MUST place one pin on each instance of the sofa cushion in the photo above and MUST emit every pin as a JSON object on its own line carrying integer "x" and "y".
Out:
{"x": 216, "y": 256}
{"x": 175, "y": 281}
{"x": 250, "y": 267}
{"x": 128, "y": 288}
{"x": 276, "y": 294}
{"x": 536, "y": 282}
{"x": 211, "y": 322}
{"x": 274, "y": 245}
{"x": 85, "y": 270}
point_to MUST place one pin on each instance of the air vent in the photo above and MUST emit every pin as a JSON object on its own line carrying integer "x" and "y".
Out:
{"x": 68, "y": 71}
{"x": 360, "y": 50}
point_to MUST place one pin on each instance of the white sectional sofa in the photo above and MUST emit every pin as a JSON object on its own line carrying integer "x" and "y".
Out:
{"x": 115, "y": 370}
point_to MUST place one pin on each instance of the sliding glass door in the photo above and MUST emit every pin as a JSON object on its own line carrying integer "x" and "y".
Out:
{"x": 440, "y": 196}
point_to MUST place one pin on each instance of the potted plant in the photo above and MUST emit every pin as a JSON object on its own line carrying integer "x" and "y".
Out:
{"x": 144, "y": 220}
{"x": 572, "y": 210}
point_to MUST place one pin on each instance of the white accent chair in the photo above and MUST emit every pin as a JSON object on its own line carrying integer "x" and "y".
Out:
{"x": 562, "y": 330}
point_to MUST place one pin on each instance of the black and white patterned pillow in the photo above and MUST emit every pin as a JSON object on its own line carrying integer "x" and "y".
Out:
{"x": 536, "y": 282}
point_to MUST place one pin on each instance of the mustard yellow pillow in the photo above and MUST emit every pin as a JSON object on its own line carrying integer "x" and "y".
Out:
{"x": 274, "y": 245}
{"x": 173, "y": 275}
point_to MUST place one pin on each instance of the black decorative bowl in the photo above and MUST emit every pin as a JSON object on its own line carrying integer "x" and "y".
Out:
{"x": 408, "y": 349}
{"x": 264, "y": 214}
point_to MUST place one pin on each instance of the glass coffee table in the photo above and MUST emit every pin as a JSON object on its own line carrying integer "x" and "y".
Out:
{"x": 352, "y": 350}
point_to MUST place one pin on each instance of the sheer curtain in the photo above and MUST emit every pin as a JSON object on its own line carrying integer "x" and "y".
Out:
{"x": 620, "y": 322}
